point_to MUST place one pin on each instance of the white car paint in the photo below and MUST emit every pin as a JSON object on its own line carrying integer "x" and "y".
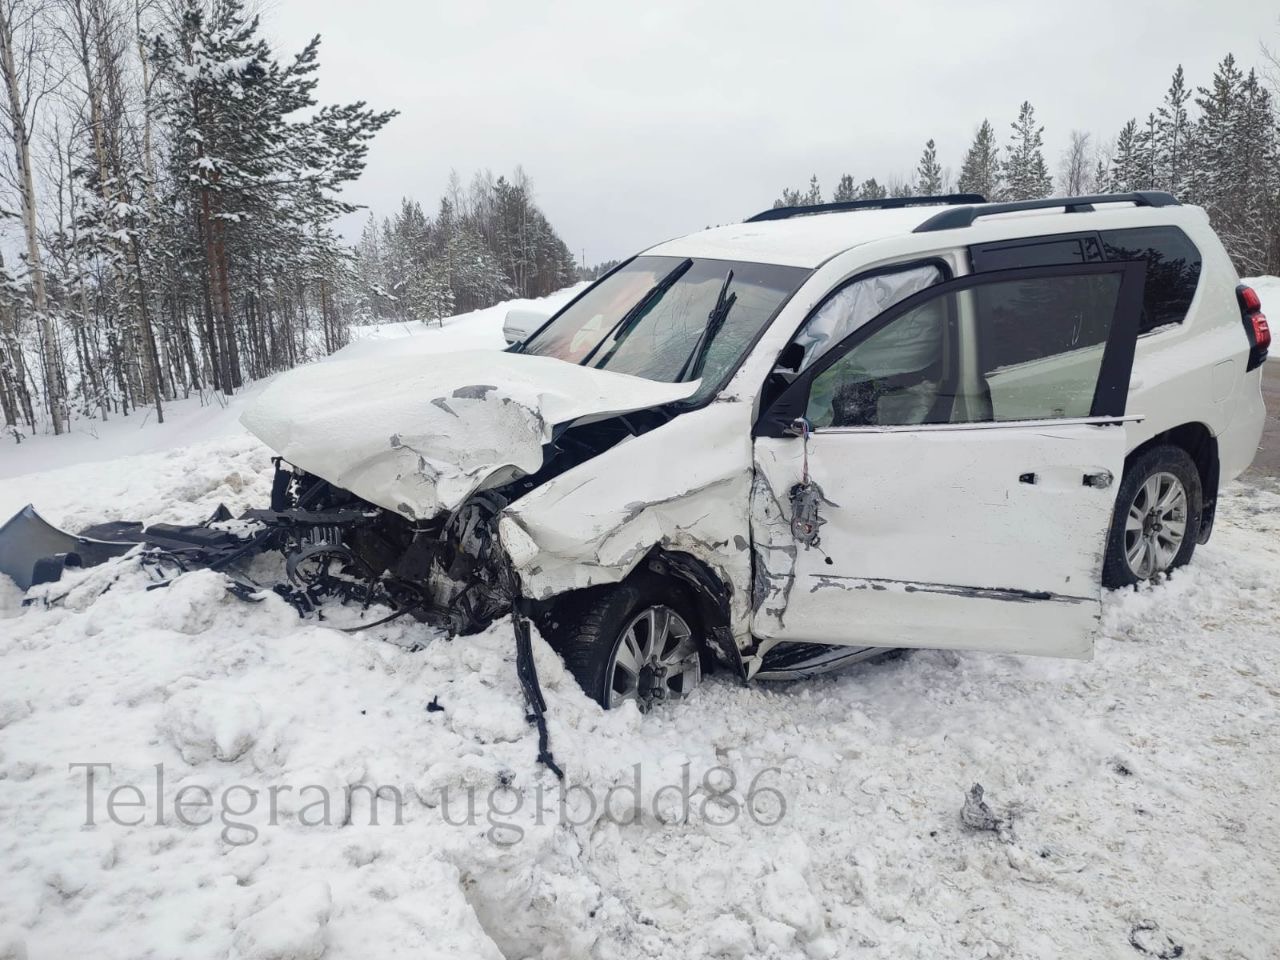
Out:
{"x": 419, "y": 436}
{"x": 917, "y": 517}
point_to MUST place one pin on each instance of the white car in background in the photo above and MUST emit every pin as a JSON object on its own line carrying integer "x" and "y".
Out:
{"x": 521, "y": 322}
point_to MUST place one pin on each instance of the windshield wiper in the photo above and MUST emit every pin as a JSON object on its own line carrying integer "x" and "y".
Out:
{"x": 715, "y": 320}
{"x": 636, "y": 313}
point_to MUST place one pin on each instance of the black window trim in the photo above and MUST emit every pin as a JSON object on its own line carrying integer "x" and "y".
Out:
{"x": 1110, "y": 393}
{"x": 978, "y": 250}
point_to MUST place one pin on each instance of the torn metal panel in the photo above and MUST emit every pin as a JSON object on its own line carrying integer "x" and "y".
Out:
{"x": 684, "y": 488}
{"x": 419, "y": 435}
{"x": 775, "y": 549}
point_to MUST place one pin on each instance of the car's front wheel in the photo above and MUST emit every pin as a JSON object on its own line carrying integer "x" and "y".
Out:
{"x": 1157, "y": 517}
{"x": 637, "y": 641}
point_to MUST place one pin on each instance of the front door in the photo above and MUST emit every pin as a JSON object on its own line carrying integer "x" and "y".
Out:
{"x": 945, "y": 476}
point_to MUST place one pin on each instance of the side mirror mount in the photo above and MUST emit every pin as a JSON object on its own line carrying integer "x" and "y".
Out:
{"x": 790, "y": 358}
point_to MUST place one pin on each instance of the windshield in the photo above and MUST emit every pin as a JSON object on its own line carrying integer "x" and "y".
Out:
{"x": 669, "y": 319}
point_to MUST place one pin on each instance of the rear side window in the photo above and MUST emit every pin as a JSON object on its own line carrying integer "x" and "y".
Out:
{"x": 1173, "y": 270}
{"x": 1173, "y": 263}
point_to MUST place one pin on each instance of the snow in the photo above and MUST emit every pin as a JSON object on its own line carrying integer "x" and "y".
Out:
{"x": 1134, "y": 794}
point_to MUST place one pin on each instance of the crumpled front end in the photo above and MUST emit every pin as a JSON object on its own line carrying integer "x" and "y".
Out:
{"x": 676, "y": 494}
{"x": 419, "y": 435}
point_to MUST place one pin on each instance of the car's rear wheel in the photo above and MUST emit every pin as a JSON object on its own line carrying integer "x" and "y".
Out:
{"x": 1157, "y": 517}
{"x": 637, "y": 641}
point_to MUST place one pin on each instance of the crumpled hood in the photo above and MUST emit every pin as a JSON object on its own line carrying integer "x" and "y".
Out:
{"x": 419, "y": 434}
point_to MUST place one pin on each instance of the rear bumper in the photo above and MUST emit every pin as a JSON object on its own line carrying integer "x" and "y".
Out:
{"x": 1238, "y": 443}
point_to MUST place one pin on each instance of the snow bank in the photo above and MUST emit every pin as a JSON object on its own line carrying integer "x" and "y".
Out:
{"x": 815, "y": 819}
{"x": 478, "y": 330}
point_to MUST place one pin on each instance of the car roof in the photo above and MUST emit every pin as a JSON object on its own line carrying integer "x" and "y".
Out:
{"x": 803, "y": 241}
{"x": 809, "y": 240}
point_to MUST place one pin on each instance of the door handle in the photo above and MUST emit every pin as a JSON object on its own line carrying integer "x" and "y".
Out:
{"x": 1027, "y": 478}
{"x": 1101, "y": 480}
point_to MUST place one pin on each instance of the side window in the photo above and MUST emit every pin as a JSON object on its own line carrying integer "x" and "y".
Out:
{"x": 1173, "y": 270}
{"x": 855, "y": 303}
{"x": 1024, "y": 349}
{"x": 1036, "y": 252}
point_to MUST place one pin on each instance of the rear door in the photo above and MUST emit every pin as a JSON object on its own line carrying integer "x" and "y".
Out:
{"x": 954, "y": 477}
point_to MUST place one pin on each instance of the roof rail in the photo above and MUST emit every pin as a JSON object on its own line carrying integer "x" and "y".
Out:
{"x": 964, "y": 216}
{"x": 888, "y": 203}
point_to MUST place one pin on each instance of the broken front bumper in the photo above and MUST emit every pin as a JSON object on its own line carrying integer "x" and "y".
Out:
{"x": 34, "y": 551}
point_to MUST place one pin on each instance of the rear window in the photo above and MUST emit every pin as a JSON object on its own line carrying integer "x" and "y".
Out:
{"x": 1173, "y": 270}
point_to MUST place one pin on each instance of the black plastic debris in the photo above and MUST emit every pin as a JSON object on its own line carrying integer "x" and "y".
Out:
{"x": 1146, "y": 937}
{"x": 976, "y": 814}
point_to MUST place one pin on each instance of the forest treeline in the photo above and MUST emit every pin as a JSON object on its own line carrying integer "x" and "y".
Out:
{"x": 169, "y": 188}
{"x": 1217, "y": 146}
{"x": 168, "y": 197}
{"x": 171, "y": 183}
{"x": 486, "y": 243}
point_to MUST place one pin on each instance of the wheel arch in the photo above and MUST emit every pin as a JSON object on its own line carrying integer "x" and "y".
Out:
{"x": 1201, "y": 445}
{"x": 708, "y": 588}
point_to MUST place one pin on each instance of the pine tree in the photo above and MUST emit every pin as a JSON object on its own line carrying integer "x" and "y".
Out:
{"x": 789, "y": 198}
{"x": 980, "y": 172}
{"x": 1126, "y": 165}
{"x": 846, "y": 190}
{"x": 814, "y": 196}
{"x": 1172, "y": 146}
{"x": 929, "y": 171}
{"x": 1146, "y": 151}
{"x": 258, "y": 169}
{"x": 900, "y": 187}
{"x": 871, "y": 190}
{"x": 1215, "y": 133}
{"x": 1025, "y": 173}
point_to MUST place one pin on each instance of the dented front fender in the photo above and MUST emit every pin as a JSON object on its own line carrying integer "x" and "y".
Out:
{"x": 684, "y": 487}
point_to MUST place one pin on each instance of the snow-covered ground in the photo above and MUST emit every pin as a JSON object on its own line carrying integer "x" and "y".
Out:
{"x": 1135, "y": 794}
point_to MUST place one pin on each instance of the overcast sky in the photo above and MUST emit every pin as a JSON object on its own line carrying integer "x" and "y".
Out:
{"x": 638, "y": 125}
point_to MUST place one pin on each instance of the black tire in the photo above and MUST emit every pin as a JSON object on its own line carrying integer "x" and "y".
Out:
{"x": 586, "y": 627}
{"x": 1165, "y": 458}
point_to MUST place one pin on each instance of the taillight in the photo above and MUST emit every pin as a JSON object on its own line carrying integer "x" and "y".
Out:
{"x": 1255, "y": 325}
{"x": 1261, "y": 332}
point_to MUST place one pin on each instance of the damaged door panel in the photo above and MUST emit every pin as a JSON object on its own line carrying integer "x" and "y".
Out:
{"x": 960, "y": 436}
{"x": 962, "y": 555}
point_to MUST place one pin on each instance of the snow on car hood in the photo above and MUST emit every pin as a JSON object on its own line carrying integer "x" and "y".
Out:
{"x": 419, "y": 434}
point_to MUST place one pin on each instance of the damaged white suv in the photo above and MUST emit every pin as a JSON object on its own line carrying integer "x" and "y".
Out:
{"x": 786, "y": 444}
{"x": 934, "y": 423}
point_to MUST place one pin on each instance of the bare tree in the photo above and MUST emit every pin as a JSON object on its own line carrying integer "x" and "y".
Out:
{"x": 27, "y": 80}
{"x": 1075, "y": 175}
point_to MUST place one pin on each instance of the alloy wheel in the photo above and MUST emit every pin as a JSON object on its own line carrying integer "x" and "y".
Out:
{"x": 1155, "y": 525}
{"x": 655, "y": 659}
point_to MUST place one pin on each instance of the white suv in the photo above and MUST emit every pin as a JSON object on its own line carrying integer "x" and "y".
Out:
{"x": 932, "y": 422}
